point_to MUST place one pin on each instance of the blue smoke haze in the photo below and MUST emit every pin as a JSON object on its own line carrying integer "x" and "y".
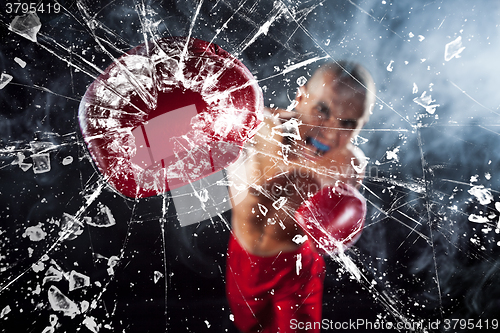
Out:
{"x": 419, "y": 246}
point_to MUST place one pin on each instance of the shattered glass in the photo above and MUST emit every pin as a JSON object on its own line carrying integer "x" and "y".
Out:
{"x": 77, "y": 255}
{"x": 26, "y": 25}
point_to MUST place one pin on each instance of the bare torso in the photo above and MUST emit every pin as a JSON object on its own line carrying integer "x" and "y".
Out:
{"x": 272, "y": 178}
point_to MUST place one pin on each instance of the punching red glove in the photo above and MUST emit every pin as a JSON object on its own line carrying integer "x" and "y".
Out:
{"x": 168, "y": 113}
{"x": 333, "y": 218}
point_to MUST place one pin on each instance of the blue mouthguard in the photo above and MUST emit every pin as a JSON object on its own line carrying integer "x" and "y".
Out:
{"x": 319, "y": 145}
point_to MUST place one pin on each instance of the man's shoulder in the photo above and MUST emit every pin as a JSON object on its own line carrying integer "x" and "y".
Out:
{"x": 268, "y": 130}
{"x": 358, "y": 162}
{"x": 357, "y": 154}
{"x": 271, "y": 118}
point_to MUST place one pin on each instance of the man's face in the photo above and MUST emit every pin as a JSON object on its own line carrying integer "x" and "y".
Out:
{"x": 331, "y": 113}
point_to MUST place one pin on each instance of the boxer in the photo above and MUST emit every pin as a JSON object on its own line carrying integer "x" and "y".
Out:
{"x": 273, "y": 277}
{"x": 175, "y": 110}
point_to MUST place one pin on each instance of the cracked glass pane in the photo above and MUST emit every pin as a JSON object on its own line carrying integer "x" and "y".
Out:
{"x": 160, "y": 159}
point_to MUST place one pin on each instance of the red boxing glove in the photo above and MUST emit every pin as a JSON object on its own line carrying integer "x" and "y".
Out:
{"x": 168, "y": 113}
{"x": 333, "y": 218}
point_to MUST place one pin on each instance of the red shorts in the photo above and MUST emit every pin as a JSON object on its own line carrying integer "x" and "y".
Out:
{"x": 274, "y": 294}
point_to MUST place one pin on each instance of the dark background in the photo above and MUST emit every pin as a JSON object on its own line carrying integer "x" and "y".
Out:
{"x": 420, "y": 255}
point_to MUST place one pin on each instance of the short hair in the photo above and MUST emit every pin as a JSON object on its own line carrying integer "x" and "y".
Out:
{"x": 351, "y": 74}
